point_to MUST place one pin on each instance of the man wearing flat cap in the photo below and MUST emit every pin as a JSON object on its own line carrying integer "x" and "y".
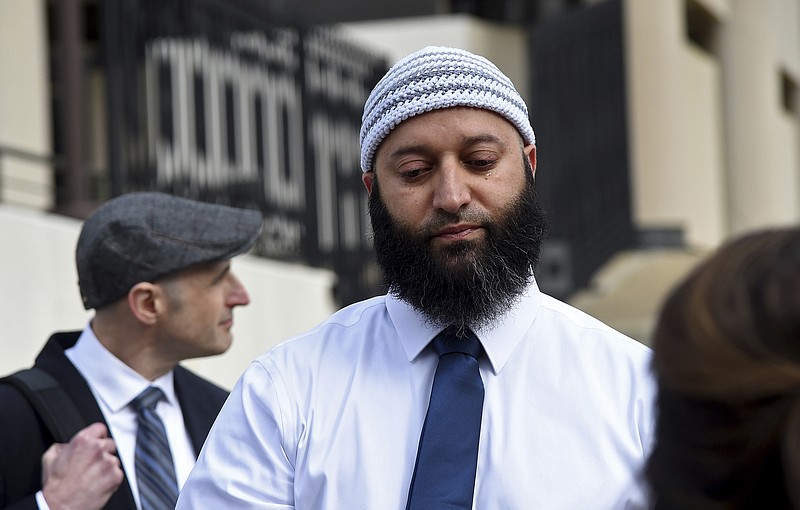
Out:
{"x": 465, "y": 387}
{"x": 157, "y": 271}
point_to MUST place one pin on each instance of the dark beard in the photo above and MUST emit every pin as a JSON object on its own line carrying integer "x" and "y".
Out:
{"x": 468, "y": 284}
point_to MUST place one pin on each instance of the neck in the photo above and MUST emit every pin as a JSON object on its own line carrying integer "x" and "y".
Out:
{"x": 132, "y": 343}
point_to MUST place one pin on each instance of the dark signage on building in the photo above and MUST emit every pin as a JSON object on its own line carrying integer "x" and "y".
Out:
{"x": 230, "y": 103}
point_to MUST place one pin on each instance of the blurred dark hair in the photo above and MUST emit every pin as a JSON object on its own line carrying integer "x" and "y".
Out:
{"x": 727, "y": 360}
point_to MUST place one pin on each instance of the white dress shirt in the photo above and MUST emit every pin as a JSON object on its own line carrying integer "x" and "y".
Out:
{"x": 114, "y": 385}
{"x": 331, "y": 419}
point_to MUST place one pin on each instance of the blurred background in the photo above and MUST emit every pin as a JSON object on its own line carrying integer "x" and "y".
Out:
{"x": 663, "y": 128}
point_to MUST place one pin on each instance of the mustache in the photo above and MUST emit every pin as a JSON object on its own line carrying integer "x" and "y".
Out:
{"x": 442, "y": 219}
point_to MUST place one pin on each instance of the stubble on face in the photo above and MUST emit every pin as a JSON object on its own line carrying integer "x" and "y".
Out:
{"x": 464, "y": 284}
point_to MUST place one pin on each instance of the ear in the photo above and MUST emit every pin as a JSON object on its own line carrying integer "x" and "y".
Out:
{"x": 530, "y": 152}
{"x": 143, "y": 301}
{"x": 367, "y": 178}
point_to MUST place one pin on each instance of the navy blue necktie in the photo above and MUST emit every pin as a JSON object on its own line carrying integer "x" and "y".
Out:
{"x": 444, "y": 476}
{"x": 155, "y": 471}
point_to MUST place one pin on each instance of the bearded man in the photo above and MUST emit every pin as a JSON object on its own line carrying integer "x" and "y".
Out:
{"x": 465, "y": 386}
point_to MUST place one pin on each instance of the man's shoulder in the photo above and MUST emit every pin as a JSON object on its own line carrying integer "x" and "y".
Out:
{"x": 200, "y": 400}
{"x": 49, "y": 360}
{"x": 23, "y": 439}
{"x": 343, "y": 331}
{"x": 12, "y": 400}
{"x": 350, "y": 321}
{"x": 186, "y": 379}
{"x": 355, "y": 313}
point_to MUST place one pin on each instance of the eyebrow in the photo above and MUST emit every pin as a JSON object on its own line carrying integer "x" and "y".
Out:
{"x": 408, "y": 149}
{"x": 221, "y": 274}
{"x": 467, "y": 140}
{"x": 485, "y": 138}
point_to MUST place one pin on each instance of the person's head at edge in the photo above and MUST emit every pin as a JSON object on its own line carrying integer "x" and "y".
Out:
{"x": 448, "y": 158}
{"x": 157, "y": 271}
{"x": 727, "y": 360}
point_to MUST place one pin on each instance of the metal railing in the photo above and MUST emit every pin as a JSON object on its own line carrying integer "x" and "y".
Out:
{"x": 14, "y": 182}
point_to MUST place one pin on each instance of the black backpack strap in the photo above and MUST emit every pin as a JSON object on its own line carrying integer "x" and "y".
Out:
{"x": 50, "y": 400}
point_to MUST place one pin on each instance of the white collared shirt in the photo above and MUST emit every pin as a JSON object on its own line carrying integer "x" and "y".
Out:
{"x": 114, "y": 385}
{"x": 331, "y": 419}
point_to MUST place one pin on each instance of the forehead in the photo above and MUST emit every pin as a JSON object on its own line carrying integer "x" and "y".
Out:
{"x": 451, "y": 127}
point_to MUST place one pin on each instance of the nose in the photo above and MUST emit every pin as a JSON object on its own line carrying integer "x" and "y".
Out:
{"x": 452, "y": 191}
{"x": 237, "y": 296}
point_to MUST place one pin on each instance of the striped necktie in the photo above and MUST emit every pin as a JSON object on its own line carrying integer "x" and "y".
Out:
{"x": 447, "y": 456}
{"x": 155, "y": 471}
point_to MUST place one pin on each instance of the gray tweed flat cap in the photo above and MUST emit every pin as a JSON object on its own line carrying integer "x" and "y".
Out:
{"x": 142, "y": 237}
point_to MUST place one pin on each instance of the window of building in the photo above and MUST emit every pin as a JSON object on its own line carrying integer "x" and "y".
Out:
{"x": 789, "y": 94}
{"x": 702, "y": 26}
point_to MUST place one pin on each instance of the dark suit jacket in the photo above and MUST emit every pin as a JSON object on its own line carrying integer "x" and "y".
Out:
{"x": 24, "y": 438}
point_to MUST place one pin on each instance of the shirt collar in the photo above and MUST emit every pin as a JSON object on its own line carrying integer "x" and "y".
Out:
{"x": 499, "y": 341}
{"x": 111, "y": 380}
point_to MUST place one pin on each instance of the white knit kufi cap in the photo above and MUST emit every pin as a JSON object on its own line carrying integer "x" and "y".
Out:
{"x": 438, "y": 77}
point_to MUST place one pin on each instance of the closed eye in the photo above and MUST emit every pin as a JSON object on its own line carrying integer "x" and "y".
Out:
{"x": 413, "y": 173}
{"x": 481, "y": 162}
{"x": 480, "y": 165}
